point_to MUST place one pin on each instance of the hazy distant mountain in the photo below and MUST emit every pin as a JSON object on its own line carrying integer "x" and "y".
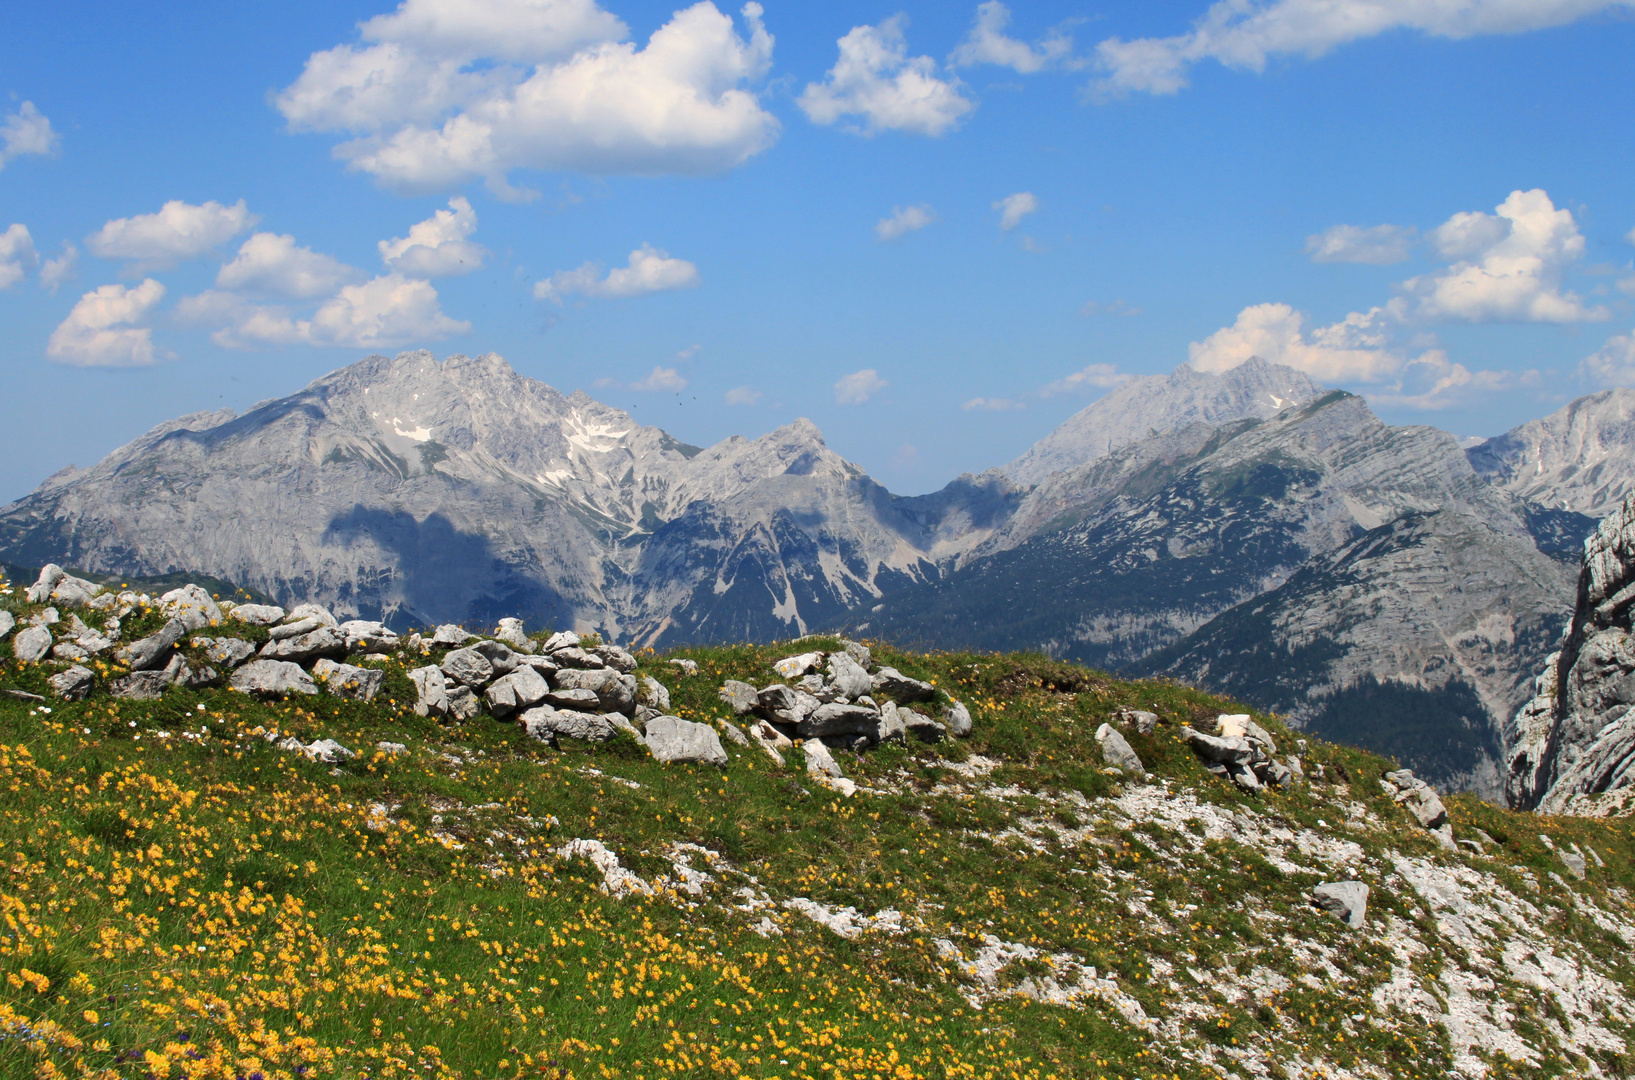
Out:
{"x": 1579, "y": 458}
{"x": 1155, "y": 404}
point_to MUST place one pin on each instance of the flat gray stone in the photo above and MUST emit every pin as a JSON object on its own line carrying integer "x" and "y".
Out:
{"x": 295, "y": 628}
{"x": 31, "y": 645}
{"x": 819, "y": 762}
{"x": 190, "y": 676}
{"x": 229, "y": 652}
{"x": 367, "y": 636}
{"x": 463, "y": 703}
{"x": 572, "y": 656}
{"x": 740, "y": 696}
{"x": 499, "y": 654}
{"x": 257, "y": 614}
{"x": 547, "y": 724}
{"x": 1345, "y": 900}
{"x": 72, "y": 684}
{"x": 562, "y": 639}
{"x": 793, "y": 667}
{"x": 451, "y": 634}
{"x": 583, "y": 700}
{"x": 671, "y": 738}
{"x": 153, "y": 651}
{"x": 891, "y": 683}
{"x": 140, "y": 686}
{"x": 272, "y": 678}
{"x": 654, "y": 693}
{"x": 313, "y": 611}
{"x": 324, "y": 641}
{"x": 839, "y": 718}
{"x": 615, "y": 690}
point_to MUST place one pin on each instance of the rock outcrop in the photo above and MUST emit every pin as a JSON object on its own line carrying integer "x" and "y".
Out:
{"x": 1574, "y": 742}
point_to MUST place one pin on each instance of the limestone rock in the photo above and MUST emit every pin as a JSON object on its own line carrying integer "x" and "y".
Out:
{"x": 921, "y": 726}
{"x": 522, "y": 689}
{"x": 582, "y": 700}
{"x": 819, "y": 762}
{"x": 451, "y": 634}
{"x": 793, "y": 667}
{"x": 891, "y": 683}
{"x": 858, "y": 652}
{"x": 40, "y": 591}
{"x": 469, "y": 667}
{"x": 742, "y": 697}
{"x": 654, "y": 693}
{"x": 671, "y": 738}
{"x": 272, "y": 678}
{"x": 367, "y": 636}
{"x": 192, "y": 605}
{"x": 313, "y": 611}
{"x": 257, "y": 614}
{"x": 140, "y": 686}
{"x": 688, "y": 667}
{"x": 616, "y": 657}
{"x": 512, "y": 633}
{"x": 615, "y": 691}
{"x": 1345, "y": 900}
{"x": 190, "y": 676}
{"x": 229, "y": 652}
{"x": 304, "y": 648}
{"x": 31, "y": 645}
{"x": 72, "y": 684}
{"x": 7, "y": 621}
{"x": 847, "y": 676}
{"x": 347, "y": 680}
{"x": 575, "y": 657}
{"x": 1117, "y": 752}
{"x": 838, "y": 718}
{"x": 327, "y": 751}
{"x": 431, "y": 691}
{"x": 152, "y": 651}
{"x": 463, "y": 703}
{"x": 546, "y": 723}
{"x": 957, "y": 718}
{"x": 294, "y": 628}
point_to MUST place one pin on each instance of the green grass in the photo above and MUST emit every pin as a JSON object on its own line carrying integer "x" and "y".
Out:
{"x": 214, "y": 896}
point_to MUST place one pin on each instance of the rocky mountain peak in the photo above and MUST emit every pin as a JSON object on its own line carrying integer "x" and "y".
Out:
{"x": 1156, "y": 404}
{"x": 1581, "y": 457}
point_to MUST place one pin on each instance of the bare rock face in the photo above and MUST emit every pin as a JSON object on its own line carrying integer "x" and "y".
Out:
{"x": 1580, "y": 458}
{"x": 1573, "y": 744}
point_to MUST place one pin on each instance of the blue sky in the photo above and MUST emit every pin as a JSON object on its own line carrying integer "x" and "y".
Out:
{"x": 935, "y": 229}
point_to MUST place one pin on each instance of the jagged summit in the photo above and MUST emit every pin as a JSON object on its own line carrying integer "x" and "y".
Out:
{"x": 1580, "y": 458}
{"x": 1156, "y": 404}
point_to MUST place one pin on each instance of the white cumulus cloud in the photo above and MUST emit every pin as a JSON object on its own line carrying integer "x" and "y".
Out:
{"x": 743, "y": 395}
{"x": 991, "y": 404}
{"x": 272, "y": 263}
{"x": 55, "y": 273}
{"x": 1013, "y": 208}
{"x": 1353, "y": 349}
{"x": 859, "y": 386}
{"x": 102, "y": 330}
{"x": 178, "y": 232}
{"x": 1509, "y": 269}
{"x": 383, "y": 312}
{"x": 17, "y": 255}
{"x": 452, "y": 91}
{"x": 876, "y": 81}
{"x": 437, "y": 247}
{"x": 904, "y": 220}
{"x": 987, "y": 43}
{"x": 26, "y": 131}
{"x": 1245, "y": 34}
{"x": 650, "y": 270}
{"x": 1613, "y": 364}
{"x": 1376, "y": 245}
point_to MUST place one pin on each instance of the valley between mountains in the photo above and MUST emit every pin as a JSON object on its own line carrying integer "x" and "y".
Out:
{"x": 1252, "y": 532}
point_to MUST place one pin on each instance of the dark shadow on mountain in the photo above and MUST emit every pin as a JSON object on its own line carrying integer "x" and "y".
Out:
{"x": 1442, "y": 734}
{"x": 442, "y": 574}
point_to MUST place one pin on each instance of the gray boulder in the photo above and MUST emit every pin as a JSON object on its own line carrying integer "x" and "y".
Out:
{"x": 547, "y": 724}
{"x": 152, "y": 651}
{"x": 366, "y": 636}
{"x": 583, "y": 700}
{"x": 562, "y": 639}
{"x": 272, "y": 678}
{"x": 431, "y": 691}
{"x": 1345, "y": 900}
{"x": 313, "y": 611}
{"x": 891, "y": 728}
{"x": 957, "y": 718}
{"x": 469, "y": 667}
{"x": 688, "y": 667}
{"x": 838, "y": 718}
{"x": 654, "y": 693}
{"x": 512, "y": 633}
{"x": 324, "y": 641}
{"x": 793, "y": 667}
{"x": 72, "y": 684}
{"x": 7, "y": 621}
{"x": 73, "y": 591}
{"x": 1575, "y": 864}
{"x": 891, "y": 683}
{"x": 50, "y": 575}
{"x": 31, "y": 645}
{"x": 542, "y": 664}
{"x": 741, "y": 697}
{"x": 1224, "y": 751}
{"x": 257, "y": 614}
{"x": 778, "y": 700}
{"x": 616, "y": 691}
{"x": 671, "y": 738}
{"x": 68, "y": 650}
{"x": 858, "y": 652}
{"x": 522, "y": 689}
{"x": 294, "y": 628}
{"x": 450, "y": 634}
{"x": 190, "y": 676}
{"x": 921, "y": 726}
{"x": 616, "y": 657}
{"x": 192, "y": 605}
{"x": 463, "y": 703}
{"x": 848, "y": 678}
{"x": 819, "y": 762}
{"x": 327, "y": 751}
{"x": 500, "y": 655}
{"x": 572, "y": 656}
{"x": 733, "y": 732}
{"x": 347, "y": 680}
{"x": 140, "y": 686}
{"x": 229, "y": 652}
{"x": 1117, "y": 752}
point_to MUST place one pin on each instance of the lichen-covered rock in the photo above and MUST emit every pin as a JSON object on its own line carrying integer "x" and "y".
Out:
{"x": 196, "y": 608}
{"x": 257, "y": 614}
{"x": 546, "y": 723}
{"x": 614, "y": 690}
{"x": 140, "y": 686}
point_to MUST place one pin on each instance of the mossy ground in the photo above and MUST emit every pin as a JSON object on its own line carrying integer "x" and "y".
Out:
{"x": 183, "y": 899}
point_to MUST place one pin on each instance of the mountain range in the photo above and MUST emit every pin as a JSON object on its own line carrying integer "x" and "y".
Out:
{"x": 1249, "y": 530}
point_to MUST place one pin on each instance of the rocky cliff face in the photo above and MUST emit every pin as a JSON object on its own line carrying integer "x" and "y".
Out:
{"x": 1580, "y": 458}
{"x": 1574, "y": 742}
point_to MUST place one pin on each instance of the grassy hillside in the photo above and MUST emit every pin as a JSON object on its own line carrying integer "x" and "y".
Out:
{"x": 183, "y": 898}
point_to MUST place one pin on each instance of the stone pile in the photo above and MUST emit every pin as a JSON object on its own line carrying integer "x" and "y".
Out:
{"x": 1244, "y": 751}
